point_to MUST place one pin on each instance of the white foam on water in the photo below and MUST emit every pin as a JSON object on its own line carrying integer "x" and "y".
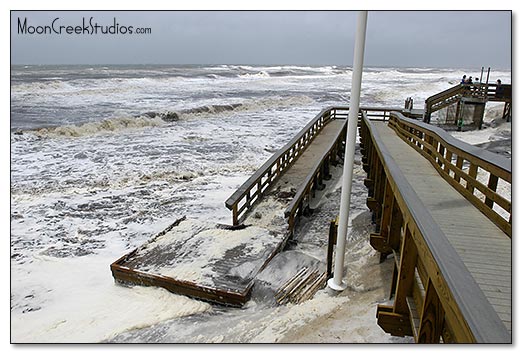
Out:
{"x": 98, "y": 186}
{"x": 76, "y": 300}
{"x": 107, "y": 125}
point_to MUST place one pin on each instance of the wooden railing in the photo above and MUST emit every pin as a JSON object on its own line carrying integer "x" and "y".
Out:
{"x": 453, "y": 94}
{"x": 245, "y": 197}
{"x": 435, "y": 296}
{"x": 318, "y": 172}
{"x": 443, "y": 99}
{"x": 474, "y": 172}
{"x": 503, "y": 95}
{"x": 379, "y": 113}
{"x": 251, "y": 191}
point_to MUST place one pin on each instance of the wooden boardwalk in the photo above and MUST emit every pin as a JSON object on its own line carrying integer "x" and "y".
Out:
{"x": 313, "y": 153}
{"x": 445, "y": 227}
{"x": 483, "y": 247}
{"x": 178, "y": 258}
{"x": 285, "y": 191}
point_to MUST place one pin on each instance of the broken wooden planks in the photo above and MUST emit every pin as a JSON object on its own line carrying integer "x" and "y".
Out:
{"x": 202, "y": 260}
{"x": 301, "y": 287}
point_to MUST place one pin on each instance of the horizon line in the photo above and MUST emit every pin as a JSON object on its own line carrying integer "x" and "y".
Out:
{"x": 258, "y": 64}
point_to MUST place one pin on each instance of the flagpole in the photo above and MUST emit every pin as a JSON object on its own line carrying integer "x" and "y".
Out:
{"x": 336, "y": 282}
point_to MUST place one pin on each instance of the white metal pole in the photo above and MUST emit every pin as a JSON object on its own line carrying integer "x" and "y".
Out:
{"x": 336, "y": 283}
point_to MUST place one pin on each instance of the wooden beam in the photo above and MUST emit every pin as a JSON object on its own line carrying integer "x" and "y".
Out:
{"x": 393, "y": 323}
{"x": 432, "y": 319}
{"x": 406, "y": 273}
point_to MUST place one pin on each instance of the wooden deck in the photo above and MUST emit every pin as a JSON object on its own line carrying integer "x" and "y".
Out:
{"x": 211, "y": 262}
{"x": 178, "y": 258}
{"x": 483, "y": 247}
{"x": 476, "y": 92}
{"x": 452, "y": 246}
{"x": 314, "y": 152}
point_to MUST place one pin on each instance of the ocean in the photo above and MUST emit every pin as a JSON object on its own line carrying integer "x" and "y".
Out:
{"x": 105, "y": 157}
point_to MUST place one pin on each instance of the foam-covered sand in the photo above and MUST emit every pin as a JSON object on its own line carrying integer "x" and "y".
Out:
{"x": 81, "y": 294}
{"x": 93, "y": 177}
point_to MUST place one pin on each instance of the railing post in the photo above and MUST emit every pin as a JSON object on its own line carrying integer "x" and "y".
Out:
{"x": 396, "y": 222}
{"x": 473, "y": 174}
{"x": 395, "y": 319}
{"x": 492, "y": 184}
{"x": 380, "y": 239}
{"x": 332, "y": 239}
{"x": 406, "y": 272}
{"x": 234, "y": 215}
{"x": 447, "y": 163}
{"x": 441, "y": 150}
{"x": 459, "y": 164}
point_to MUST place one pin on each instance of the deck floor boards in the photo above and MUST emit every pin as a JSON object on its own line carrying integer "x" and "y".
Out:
{"x": 483, "y": 247}
{"x": 301, "y": 167}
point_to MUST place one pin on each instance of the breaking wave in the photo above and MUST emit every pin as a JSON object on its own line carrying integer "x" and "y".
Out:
{"x": 260, "y": 104}
{"x": 106, "y": 125}
{"x": 259, "y": 74}
{"x": 157, "y": 119}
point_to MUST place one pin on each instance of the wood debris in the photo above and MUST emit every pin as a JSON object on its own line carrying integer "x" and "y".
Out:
{"x": 301, "y": 287}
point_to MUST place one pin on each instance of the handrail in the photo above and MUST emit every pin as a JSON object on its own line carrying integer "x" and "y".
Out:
{"x": 449, "y": 156}
{"x": 252, "y": 189}
{"x": 379, "y": 113}
{"x": 306, "y": 187}
{"x": 450, "y": 95}
{"x": 446, "y": 93}
{"x": 443, "y": 99}
{"x": 466, "y": 309}
{"x": 504, "y": 96}
{"x": 375, "y": 112}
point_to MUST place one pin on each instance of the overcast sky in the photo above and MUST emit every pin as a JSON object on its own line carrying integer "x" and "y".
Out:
{"x": 458, "y": 39}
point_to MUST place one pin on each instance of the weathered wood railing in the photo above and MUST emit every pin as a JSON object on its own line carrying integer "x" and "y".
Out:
{"x": 318, "y": 172}
{"x": 474, "y": 172}
{"x": 435, "y": 295}
{"x": 443, "y": 99}
{"x": 251, "y": 191}
{"x": 379, "y": 113}
{"x": 453, "y": 94}
{"x": 504, "y": 94}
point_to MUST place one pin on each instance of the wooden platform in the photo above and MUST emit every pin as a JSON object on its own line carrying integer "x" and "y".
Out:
{"x": 218, "y": 263}
{"x": 211, "y": 262}
{"x": 483, "y": 247}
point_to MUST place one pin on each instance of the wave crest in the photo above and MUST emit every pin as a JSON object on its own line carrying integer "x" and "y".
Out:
{"x": 156, "y": 119}
{"x": 106, "y": 125}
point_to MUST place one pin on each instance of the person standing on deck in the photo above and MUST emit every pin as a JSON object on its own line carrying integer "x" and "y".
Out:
{"x": 463, "y": 81}
{"x": 476, "y": 86}
{"x": 499, "y": 91}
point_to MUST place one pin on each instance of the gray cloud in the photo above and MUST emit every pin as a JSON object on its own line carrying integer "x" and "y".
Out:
{"x": 396, "y": 38}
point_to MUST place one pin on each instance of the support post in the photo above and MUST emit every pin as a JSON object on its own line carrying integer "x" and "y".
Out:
{"x": 336, "y": 283}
